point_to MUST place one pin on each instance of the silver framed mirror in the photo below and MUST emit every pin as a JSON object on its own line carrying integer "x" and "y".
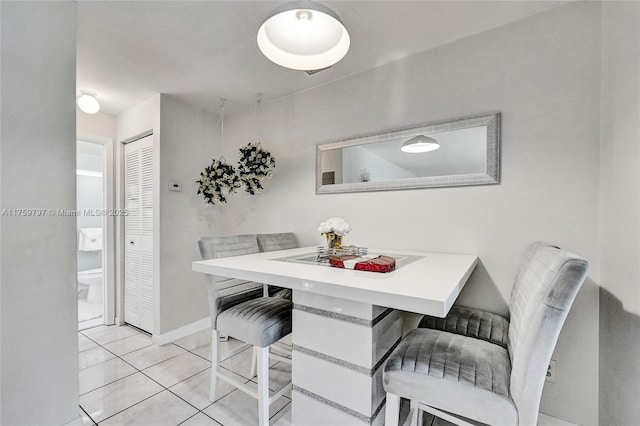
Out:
{"x": 459, "y": 152}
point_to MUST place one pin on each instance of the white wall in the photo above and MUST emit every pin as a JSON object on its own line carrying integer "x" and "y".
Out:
{"x": 543, "y": 74}
{"x": 332, "y": 162}
{"x": 620, "y": 221}
{"x": 98, "y": 125}
{"x": 190, "y": 139}
{"x": 620, "y": 156}
{"x": 139, "y": 119}
{"x": 186, "y": 140}
{"x": 38, "y": 311}
{"x": 357, "y": 158}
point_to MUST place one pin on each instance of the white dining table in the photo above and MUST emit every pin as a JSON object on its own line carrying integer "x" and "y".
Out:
{"x": 347, "y": 322}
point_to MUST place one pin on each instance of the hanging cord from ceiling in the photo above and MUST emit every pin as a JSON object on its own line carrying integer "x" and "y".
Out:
{"x": 255, "y": 162}
{"x": 259, "y": 98}
{"x": 223, "y": 102}
{"x": 220, "y": 179}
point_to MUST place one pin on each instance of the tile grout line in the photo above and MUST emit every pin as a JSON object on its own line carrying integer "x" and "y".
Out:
{"x": 283, "y": 407}
{"x": 129, "y": 337}
{"x": 164, "y": 388}
{"x": 106, "y": 343}
{"x": 124, "y": 377}
{"x": 199, "y": 412}
{"x": 85, "y": 411}
{"x": 273, "y": 390}
{"x": 107, "y": 384}
{"x": 230, "y": 392}
{"x": 168, "y": 389}
{"x": 131, "y": 406}
{"x": 137, "y": 370}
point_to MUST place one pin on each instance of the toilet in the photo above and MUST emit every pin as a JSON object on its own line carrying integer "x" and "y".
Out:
{"x": 93, "y": 279}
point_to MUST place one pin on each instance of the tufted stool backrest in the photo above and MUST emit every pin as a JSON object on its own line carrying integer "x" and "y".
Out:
{"x": 277, "y": 241}
{"x": 546, "y": 286}
{"x": 227, "y": 292}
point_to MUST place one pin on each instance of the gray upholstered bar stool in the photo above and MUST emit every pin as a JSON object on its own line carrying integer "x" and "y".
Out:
{"x": 274, "y": 242}
{"x": 239, "y": 310}
{"x": 277, "y": 241}
{"x": 475, "y": 366}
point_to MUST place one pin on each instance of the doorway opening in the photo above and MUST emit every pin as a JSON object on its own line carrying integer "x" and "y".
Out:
{"x": 94, "y": 225}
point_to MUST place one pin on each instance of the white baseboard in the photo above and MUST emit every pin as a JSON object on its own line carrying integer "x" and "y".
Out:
{"x": 170, "y": 336}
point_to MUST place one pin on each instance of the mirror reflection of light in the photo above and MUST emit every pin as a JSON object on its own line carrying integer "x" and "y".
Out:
{"x": 419, "y": 144}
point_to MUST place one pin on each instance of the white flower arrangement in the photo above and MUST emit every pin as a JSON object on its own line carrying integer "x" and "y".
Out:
{"x": 334, "y": 225}
{"x": 217, "y": 181}
{"x": 255, "y": 164}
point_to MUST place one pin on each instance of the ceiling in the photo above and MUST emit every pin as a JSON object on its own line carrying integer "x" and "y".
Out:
{"x": 201, "y": 51}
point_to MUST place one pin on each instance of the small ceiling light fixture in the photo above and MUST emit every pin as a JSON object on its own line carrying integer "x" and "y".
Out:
{"x": 87, "y": 102}
{"x": 303, "y": 35}
{"x": 420, "y": 143}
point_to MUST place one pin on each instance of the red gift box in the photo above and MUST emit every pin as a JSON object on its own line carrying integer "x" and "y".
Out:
{"x": 376, "y": 264}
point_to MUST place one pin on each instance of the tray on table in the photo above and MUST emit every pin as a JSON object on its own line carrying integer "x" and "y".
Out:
{"x": 326, "y": 253}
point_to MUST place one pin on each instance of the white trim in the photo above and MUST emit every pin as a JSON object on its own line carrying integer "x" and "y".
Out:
{"x": 154, "y": 133}
{"x": 137, "y": 137}
{"x": 108, "y": 254}
{"x": 87, "y": 137}
{"x": 178, "y": 333}
{"x": 119, "y": 197}
{"x": 157, "y": 319}
{"x": 88, "y": 173}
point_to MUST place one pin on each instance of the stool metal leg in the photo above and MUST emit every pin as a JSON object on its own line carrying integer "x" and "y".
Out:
{"x": 263, "y": 386}
{"x": 254, "y": 360}
{"x": 415, "y": 414}
{"x": 392, "y": 413}
{"x": 215, "y": 361}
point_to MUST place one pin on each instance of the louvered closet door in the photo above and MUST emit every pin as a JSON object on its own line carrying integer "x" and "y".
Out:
{"x": 138, "y": 230}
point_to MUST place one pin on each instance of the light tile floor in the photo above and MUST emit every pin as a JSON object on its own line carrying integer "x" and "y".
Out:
{"x": 89, "y": 311}
{"x": 125, "y": 379}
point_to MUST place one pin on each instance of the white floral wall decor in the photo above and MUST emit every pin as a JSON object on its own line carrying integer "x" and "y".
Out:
{"x": 218, "y": 181}
{"x": 255, "y": 164}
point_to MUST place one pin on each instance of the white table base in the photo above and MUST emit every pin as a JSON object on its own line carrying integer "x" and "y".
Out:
{"x": 339, "y": 347}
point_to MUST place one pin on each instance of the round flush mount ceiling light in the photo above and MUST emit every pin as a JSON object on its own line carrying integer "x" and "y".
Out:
{"x": 303, "y": 35}
{"x": 420, "y": 143}
{"x": 87, "y": 102}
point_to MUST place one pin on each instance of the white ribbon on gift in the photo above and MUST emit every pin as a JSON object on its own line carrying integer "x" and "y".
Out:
{"x": 351, "y": 264}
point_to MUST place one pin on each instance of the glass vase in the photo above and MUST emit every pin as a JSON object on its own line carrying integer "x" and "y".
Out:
{"x": 334, "y": 241}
